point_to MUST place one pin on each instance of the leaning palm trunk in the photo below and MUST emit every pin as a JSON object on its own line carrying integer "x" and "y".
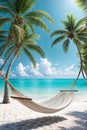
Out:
{"x": 7, "y": 59}
{"x": 11, "y": 86}
{"x": 81, "y": 65}
{"x": 83, "y": 5}
{"x": 6, "y": 94}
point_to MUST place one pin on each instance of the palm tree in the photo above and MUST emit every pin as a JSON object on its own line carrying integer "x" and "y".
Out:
{"x": 84, "y": 57}
{"x": 83, "y": 5}
{"x": 27, "y": 44}
{"x": 3, "y": 38}
{"x": 19, "y": 13}
{"x": 73, "y": 31}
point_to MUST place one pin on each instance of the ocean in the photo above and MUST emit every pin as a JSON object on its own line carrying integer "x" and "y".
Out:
{"x": 41, "y": 88}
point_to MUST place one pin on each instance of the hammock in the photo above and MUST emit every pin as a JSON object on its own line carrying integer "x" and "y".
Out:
{"x": 55, "y": 104}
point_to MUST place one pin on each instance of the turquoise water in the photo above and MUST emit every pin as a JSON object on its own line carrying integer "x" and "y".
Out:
{"x": 44, "y": 88}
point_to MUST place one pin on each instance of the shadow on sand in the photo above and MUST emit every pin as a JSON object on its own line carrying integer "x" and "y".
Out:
{"x": 33, "y": 123}
{"x": 81, "y": 121}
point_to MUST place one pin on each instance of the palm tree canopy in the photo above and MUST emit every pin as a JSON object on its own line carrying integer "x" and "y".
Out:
{"x": 72, "y": 31}
{"x": 82, "y": 4}
{"x": 84, "y": 57}
{"x": 3, "y": 38}
{"x": 27, "y": 44}
{"x": 20, "y": 12}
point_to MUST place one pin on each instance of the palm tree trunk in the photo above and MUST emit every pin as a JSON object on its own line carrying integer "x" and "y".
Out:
{"x": 7, "y": 59}
{"x": 6, "y": 94}
{"x": 3, "y": 50}
{"x": 2, "y": 75}
{"x": 74, "y": 83}
{"x": 11, "y": 86}
{"x": 81, "y": 63}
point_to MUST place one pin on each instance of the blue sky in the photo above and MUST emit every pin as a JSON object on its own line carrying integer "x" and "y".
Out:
{"x": 56, "y": 61}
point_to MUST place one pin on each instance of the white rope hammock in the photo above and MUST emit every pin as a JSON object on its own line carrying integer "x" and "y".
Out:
{"x": 55, "y": 104}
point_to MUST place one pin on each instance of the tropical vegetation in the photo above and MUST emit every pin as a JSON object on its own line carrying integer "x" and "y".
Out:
{"x": 21, "y": 20}
{"x": 19, "y": 13}
{"x": 73, "y": 31}
{"x": 83, "y": 5}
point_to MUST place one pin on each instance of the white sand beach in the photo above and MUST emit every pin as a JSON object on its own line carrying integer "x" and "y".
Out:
{"x": 15, "y": 116}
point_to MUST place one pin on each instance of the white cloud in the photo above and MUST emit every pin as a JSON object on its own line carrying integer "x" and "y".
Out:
{"x": 68, "y": 72}
{"x": 46, "y": 69}
{"x": 33, "y": 71}
{"x": 1, "y": 61}
{"x": 21, "y": 70}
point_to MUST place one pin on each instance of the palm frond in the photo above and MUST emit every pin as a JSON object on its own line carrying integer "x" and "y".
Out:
{"x": 29, "y": 25}
{"x": 40, "y": 14}
{"x": 18, "y": 33}
{"x": 9, "y": 4}
{"x": 3, "y": 38}
{"x": 70, "y": 22}
{"x": 25, "y": 6}
{"x": 30, "y": 56}
{"x": 36, "y": 49}
{"x": 2, "y": 46}
{"x": 78, "y": 43}
{"x": 38, "y": 22}
{"x": 3, "y": 32}
{"x": 30, "y": 41}
{"x": 32, "y": 36}
{"x": 57, "y": 32}
{"x": 8, "y": 51}
{"x": 82, "y": 4}
{"x": 57, "y": 40}
{"x": 4, "y": 20}
{"x": 80, "y": 23}
{"x": 6, "y": 10}
{"x": 66, "y": 45}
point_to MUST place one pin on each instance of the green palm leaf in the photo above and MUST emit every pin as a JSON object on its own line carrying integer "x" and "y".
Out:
{"x": 36, "y": 49}
{"x": 30, "y": 41}
{"x": 40, "y": 14}
{"x": 9, "y": 50}
{"x": 6, "y": 10}
{"x": 57, "y": 32}
{"x": 25, "y": 6}
{"x": 4, "y": 20}
{"x": 31, "y": 36}
{"x": 3, "y": 32}
{"x": 57, "y": 40}
{"x": 66, "y": 45}
{"x": 18, "y": 33}
{"x": 82, "y": 4}
{"x": 38, "y": 22}
{"x": 80, "y": 22}
{"x": 30, "y": 56}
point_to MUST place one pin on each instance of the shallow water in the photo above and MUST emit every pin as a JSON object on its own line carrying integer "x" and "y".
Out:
{"x": 38, "y": 88}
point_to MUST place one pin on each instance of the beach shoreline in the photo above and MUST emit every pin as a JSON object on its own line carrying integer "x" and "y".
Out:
{"x": 16, "y": 116}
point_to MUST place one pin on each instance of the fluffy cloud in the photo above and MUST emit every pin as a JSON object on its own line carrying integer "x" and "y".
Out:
{"x": 21, "y": 70}
{"x": 68, "y": 72}
{"x": 33, "y": 71}
{"x": 1, "y": 61}
{"x": 46, "y": 69}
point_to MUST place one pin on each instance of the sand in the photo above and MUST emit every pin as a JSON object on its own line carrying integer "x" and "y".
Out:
{"x": 15, "y": 116}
